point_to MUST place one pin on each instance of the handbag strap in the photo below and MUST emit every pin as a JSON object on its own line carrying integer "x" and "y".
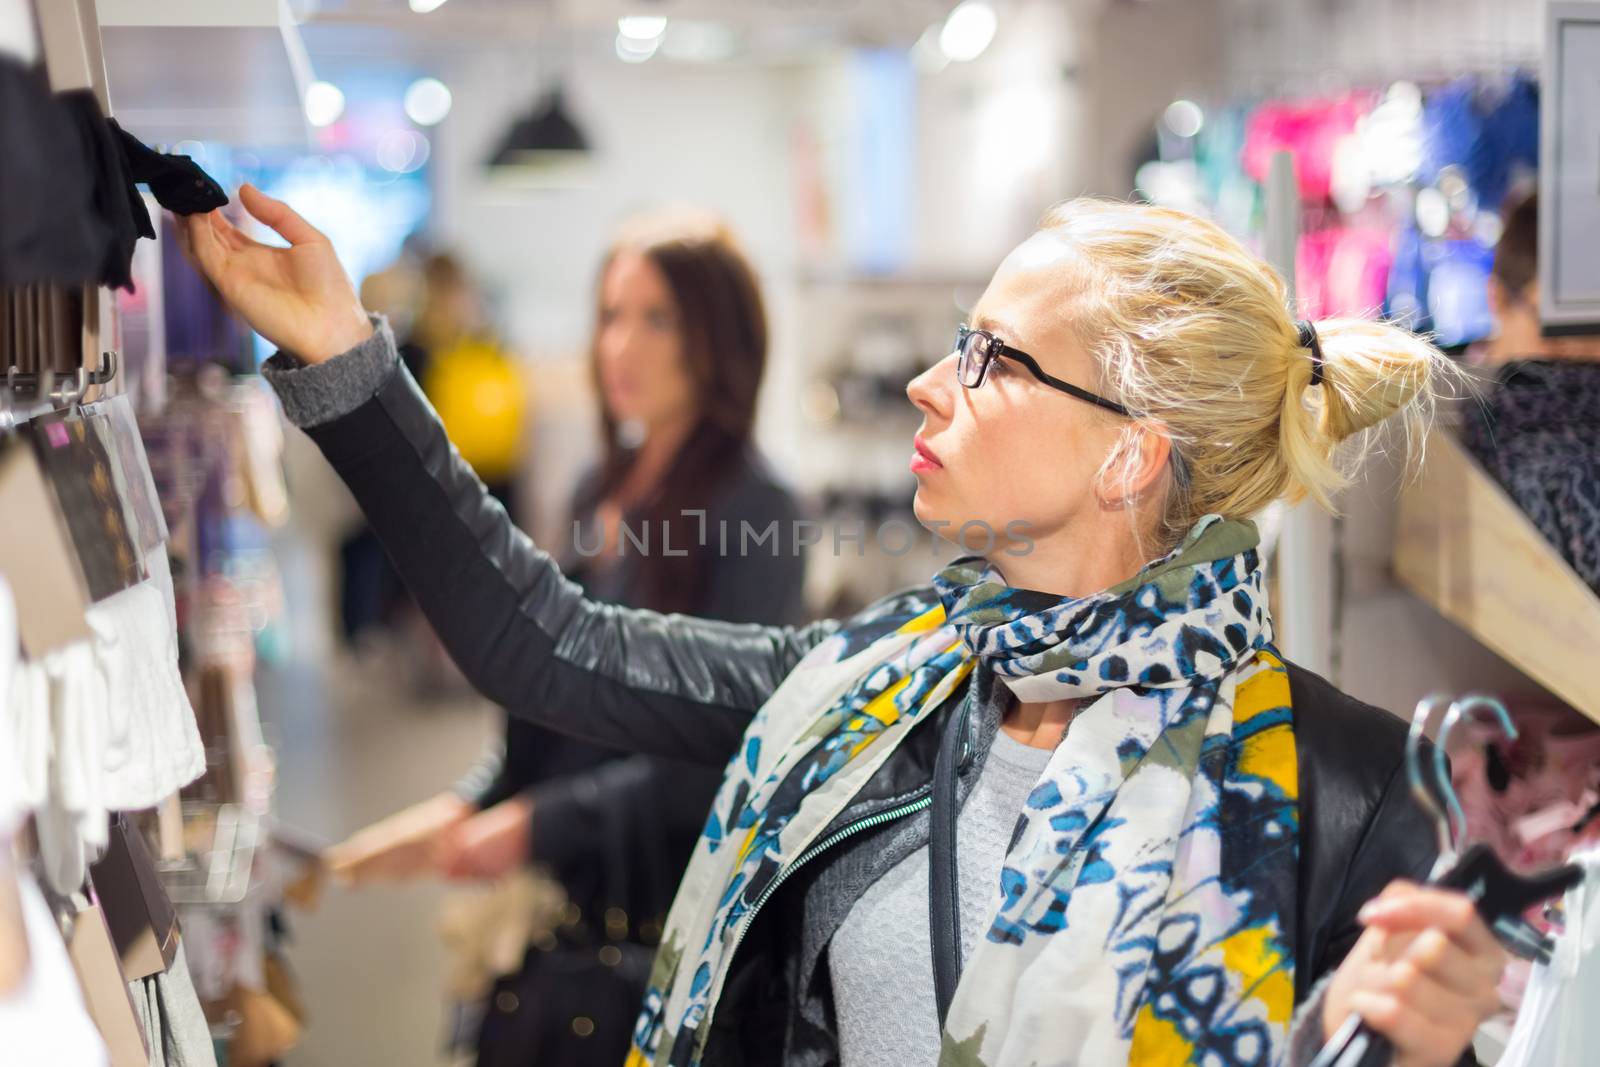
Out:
{"x": 944, "y": 903}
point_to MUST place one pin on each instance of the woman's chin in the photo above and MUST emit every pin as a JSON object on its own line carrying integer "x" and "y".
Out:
{"x": 928, "y": 512}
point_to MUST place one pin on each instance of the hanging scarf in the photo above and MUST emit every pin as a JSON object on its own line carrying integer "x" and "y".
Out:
{"x": 1160, "y": 841}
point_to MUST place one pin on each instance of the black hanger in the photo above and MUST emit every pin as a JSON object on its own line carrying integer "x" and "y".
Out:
{"x": 1500, "y": 894}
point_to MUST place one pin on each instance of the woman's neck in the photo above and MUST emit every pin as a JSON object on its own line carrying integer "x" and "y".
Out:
{"x": 1074, "y": 563}
{"x": 1097, "y": 554}
{"x": 1039, "y": 724}
{"x": 1521, "y": 337}
{"x": 652, "y": 459}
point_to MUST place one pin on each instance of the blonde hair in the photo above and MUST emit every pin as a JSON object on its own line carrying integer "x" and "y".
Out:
{"x": 1194, "y": 332}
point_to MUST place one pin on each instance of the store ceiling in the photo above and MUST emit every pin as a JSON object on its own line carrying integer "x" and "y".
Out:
{"x": 769, "y": 28}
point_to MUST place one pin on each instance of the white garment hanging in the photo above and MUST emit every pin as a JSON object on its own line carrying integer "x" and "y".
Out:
{"x": 151, "y": 744}
{"x": 1558, "y": 1025}
{"x": 71, "y": 822}
{"x": 43, "y": 1023}
{"x": 103, "y": 725}
{"x": 15, "y": 797}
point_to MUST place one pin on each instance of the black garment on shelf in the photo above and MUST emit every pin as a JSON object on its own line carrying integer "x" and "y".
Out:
{"x": 1537, "y": 433}
{"x": 177, "y": 182}
{"x": 49, "y": 232}
{"x": 70, "y": 212}
{"x": 114, "y": 199}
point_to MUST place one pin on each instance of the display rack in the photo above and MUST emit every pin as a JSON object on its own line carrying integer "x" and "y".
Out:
{"x": 1465, "y": 548}
{"x": 111, "y": 486}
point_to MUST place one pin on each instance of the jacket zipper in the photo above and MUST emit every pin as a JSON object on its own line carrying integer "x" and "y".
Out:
{"x": 921, "y": 799}
{"x": 924, "y": 797}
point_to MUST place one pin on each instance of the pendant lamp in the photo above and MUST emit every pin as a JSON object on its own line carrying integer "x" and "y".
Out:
{"x": 546, "y": 134}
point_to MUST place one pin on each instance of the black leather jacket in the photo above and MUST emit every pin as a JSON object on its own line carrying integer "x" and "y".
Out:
{"x": 686, "y": 688}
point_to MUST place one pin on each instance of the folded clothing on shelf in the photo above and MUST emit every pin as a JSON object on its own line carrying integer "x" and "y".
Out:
{"x": 152, "y": 747}
{"x": 102, "y": 725}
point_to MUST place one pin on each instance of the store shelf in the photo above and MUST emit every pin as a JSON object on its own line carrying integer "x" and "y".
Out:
{"x": 206, "y": 70}
{"x": 1466, "y": 549}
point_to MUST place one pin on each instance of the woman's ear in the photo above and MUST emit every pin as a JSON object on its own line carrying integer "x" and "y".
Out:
{"x": 1133, "y": 469}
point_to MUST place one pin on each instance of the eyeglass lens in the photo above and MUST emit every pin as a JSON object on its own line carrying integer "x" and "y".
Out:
{"x": 973, "y": 359}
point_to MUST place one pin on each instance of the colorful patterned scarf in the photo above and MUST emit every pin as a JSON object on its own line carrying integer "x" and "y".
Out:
{"x": 1160, "y": 841}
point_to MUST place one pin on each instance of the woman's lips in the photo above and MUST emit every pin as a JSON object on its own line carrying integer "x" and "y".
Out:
{"x": 922, "y": 457}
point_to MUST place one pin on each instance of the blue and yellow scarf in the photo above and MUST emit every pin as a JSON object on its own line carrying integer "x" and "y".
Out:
{"x": 1144, "y": 913}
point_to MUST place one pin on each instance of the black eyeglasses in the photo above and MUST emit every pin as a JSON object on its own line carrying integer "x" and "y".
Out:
{"x": 979, "y": 348}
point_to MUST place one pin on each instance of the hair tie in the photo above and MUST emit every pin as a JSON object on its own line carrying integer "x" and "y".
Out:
{"x": 1309, "y": 339}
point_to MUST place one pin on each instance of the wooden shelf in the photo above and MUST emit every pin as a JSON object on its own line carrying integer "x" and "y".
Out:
{"x": 1466, "y": 549}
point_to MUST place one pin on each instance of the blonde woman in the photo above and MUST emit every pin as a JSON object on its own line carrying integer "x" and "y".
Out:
{"x": 1065, "y": 805}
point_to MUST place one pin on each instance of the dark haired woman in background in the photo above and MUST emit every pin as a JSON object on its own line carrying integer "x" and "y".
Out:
{"x": 677, "y": 356}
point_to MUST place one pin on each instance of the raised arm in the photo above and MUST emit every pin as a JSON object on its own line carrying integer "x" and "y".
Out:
{"x": 523, "y": 634}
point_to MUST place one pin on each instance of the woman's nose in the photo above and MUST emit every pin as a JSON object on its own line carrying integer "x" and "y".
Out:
{"x": 930, "y": 390}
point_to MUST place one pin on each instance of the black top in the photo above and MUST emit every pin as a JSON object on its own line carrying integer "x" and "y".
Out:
{"x": 652, "y": 807}
{"x": 1537, "y": 432}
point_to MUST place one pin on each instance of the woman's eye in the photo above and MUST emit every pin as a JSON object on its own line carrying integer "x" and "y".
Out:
{"x": 660, "y": 320}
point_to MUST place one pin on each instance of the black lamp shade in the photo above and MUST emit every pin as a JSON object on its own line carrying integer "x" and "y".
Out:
{"x": 545, "y": 131}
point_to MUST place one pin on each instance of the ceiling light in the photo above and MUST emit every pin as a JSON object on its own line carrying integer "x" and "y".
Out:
{"x": 1184, "y": 118}
{"x": 635, "y": 50}
{"x": 422, "y": 7}
{"x": 968, "y": 30}
{"x": 642, "y": 27}
{"x": 427, "y": 101}
{"x": 545, "y": 134}
{"x": 324, "y": 103}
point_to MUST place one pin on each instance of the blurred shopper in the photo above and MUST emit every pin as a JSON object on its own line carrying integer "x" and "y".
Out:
{"x": 912, "y": 858}
{"x": 677, "y": 354}
{"x": 478, "y": 391}
{"x": 1537, "y": 430}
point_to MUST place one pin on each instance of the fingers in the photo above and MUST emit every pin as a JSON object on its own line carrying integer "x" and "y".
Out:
{"x": 279, "y": 216}
{"x": 197, "y": 236}
{"x": 1426, "y": 971}
{"x": 1435, "y": 954}
{"x": 1413, "y": 1029}
{"x": 1428, "y": 1020}
{"x": 1417, "y": 908}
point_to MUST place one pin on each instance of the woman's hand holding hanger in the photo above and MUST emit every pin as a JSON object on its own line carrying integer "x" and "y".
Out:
{"x": 1425, "y": 974}
{"x": 298, "y": 298}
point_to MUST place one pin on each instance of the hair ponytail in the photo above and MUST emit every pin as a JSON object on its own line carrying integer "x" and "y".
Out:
{"x": 1372, "y": 373}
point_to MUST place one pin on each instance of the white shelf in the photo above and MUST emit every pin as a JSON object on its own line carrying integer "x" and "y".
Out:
{"x": 233, "y": 71}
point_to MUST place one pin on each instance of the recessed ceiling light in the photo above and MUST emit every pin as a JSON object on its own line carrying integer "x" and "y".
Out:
{"x": 642, "y": 27}
{"x": 324, "y": 103}
{"x": 968, "y": 30}
{"x": 427, "y": 101}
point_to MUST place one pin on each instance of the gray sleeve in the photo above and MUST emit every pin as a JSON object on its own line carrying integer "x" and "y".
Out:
{"x": 1305, "y": 1028}
{"x": 318, "y": 393}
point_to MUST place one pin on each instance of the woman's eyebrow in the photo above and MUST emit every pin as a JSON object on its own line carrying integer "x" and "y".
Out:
{"x": 995, "y": 326}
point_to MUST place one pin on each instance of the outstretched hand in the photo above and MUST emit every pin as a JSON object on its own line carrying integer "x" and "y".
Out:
{"x": 298, "y": 298}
